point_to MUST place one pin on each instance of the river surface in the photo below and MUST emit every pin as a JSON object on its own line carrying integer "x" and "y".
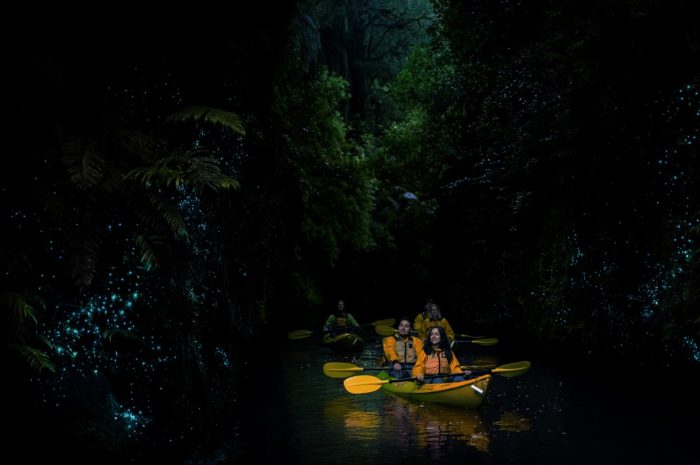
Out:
{"x": 550, "y": 415}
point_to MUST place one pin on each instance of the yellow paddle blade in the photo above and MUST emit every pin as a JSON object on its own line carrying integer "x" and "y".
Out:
{"x": 492, "y": 341}
{"x": 476, "y": 367}
{"x": 340, "y": 369}
{"x": 299, "y": 334}
{"x": 512, "y": 369}
{"x": 384, "y": 322}
{"x": 470, "y": 337}
{"x": 363, "y": 384}
{"x": 384, "y": 330}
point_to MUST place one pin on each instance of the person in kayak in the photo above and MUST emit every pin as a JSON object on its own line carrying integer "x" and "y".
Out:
{"x": 401, "y": 350}
{"x": 435, "y": 318}
{"x": 421, "y": 317}
{"x": 437, "y": 358}
{"x": 340, "y": 321}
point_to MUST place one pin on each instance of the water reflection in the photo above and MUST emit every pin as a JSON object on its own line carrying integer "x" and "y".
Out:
{"x": 409, "y": 424}
{"x": 438, "y": 424}
{"x": 358, "y": 423}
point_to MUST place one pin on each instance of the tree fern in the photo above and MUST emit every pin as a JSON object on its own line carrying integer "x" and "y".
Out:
{"x": 85, "y": 164}
{"x": 84, "y": 258}
{"x": 19, "y": 307}
{"x": 159, "y": 175}
{"x": 35, "y": 358}
{"x": 148, "y": 255}
{"x": 168, "y": 213}
{"x": 206, "y": 172}
{"x": 185, "y": 168}
{"x": 139, "y": 144}
{"x": 202, "y": 114}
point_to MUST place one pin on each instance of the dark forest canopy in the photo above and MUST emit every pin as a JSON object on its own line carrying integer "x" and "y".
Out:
{"x": 184, "y": 182}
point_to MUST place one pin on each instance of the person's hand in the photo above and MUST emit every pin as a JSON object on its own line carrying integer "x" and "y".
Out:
{"x": 397, "y": 366}
{"x": 467, "y": 372}
{"x": 420, "y": 379}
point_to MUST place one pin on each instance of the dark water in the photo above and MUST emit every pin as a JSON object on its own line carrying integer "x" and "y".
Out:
{"x": 552, "y": 414}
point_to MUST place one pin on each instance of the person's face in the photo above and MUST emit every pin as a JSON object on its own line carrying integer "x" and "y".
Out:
{"x": 435, "y": 336}
{"x": 404, "y": 328}
{"x": 341, "y": 305}
{"x": 434, "y": 311}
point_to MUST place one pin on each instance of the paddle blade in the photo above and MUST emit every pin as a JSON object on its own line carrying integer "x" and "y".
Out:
{"x": 299, "y": 334}
{"x": 340, "y": 369}
{"x": 492, "y": 341}
{"x": 512, "y": 369}
{"x": 385, "y": 330}
{"x": 363, "y": 384}
{"x": 470, "y": 337}
{"x": 384, "y": 322}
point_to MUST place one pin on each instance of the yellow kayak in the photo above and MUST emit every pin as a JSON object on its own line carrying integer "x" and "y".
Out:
{"x": 469, "y": 393}
{"x": 344, "y": 342}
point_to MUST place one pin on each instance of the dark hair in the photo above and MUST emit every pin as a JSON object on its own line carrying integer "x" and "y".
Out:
{"x": 405, "y": 317}
{"x": 444, "y": 343}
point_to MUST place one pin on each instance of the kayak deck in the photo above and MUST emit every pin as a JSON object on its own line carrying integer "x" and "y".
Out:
{"x": 345, "y": 342}
{"x": 469, "y": 393}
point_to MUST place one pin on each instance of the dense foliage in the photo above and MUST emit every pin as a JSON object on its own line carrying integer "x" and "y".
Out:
{"x": 178, "y": 195}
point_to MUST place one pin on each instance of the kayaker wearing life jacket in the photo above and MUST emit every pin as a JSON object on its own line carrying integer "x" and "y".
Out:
{"x": 340, "y": 321}
{"x": 421, "y": 317}
{"x": 436, "y": 319}
{"x": 401, "y": 350}
{"x": 437, "y": 358}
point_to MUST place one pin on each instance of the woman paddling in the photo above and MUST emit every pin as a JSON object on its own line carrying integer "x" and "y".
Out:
{"x": 437, "y": 358}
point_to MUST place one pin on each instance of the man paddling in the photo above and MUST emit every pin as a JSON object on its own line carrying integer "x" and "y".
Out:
{"x": 401, "y": 350}
{"x": 340, "y": 321}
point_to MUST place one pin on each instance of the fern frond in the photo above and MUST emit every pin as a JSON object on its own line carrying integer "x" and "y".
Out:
{"x": 206, "y": 172}
{"x": 228, "y": 183}
{"x": 84, "y": 258}
{"x": 210, "y": 115}
{"x": 169, "y": 214}
{"x": 45, "y": 340}
{"x": 139, "y": 144}
{"x": 84, "y": 163}
{"x": 35, "y": 358}
{"x": 148, "y": 255}
{"x": 18, "y": 306}
{"x": 159, "y": 175}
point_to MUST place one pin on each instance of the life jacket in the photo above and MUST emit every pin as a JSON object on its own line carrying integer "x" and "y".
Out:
{"x": 340, "y": 321}
{"x": 437, "y": 363}
{"x": 405, "y": 349}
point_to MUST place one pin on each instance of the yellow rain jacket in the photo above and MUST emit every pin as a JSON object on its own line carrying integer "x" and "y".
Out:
{"x": 427, "y": 324}
{"x": 398, "y": 349}
{"x": 435, "y": 363}
{"x": 418, "y": 324}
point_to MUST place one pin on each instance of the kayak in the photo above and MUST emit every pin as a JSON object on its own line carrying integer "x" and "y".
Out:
{"x": 344, "y": 342}
{"x": 469, "y": 393}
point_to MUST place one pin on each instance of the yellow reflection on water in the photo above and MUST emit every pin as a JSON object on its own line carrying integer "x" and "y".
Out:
{"x": 460, "y": 424}
{"x": 432, "y": 425}
{"x": 358, "y": 423}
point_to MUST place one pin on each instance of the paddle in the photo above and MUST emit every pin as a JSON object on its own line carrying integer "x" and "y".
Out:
{"x": 365, "y": 384}
{"x": 491, "y": 341}
{"x": 346, "y": 369}
{"x": 385, "y": 331}
{"x": 470, "y": 337}
{"x": 304, "y": 333}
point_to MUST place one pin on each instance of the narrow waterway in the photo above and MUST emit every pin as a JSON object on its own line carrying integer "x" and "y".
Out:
{"x": 548, "y": 415}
